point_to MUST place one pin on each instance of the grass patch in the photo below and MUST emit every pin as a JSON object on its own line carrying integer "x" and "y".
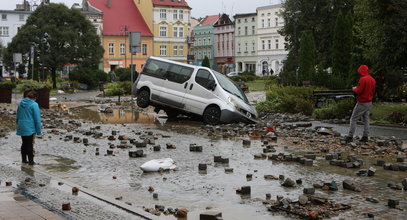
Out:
{"x": 389, "y": 113}
{"x": 256, "y": 85}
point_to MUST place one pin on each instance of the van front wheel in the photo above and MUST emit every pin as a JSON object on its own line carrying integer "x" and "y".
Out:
{"x": 143, "y": 98}
{"x": 212, "y": 115}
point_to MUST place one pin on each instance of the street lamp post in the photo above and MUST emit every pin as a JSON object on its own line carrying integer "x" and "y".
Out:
{"x": 44, "y": 42}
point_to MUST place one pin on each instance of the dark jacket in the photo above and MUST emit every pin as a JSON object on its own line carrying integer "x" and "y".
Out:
{"x": 367, "y": 85}
{"x": 28, "y": 118}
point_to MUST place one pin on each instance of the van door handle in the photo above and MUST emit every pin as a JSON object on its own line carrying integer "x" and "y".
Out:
{"x": 185, "y": 86}
{"x": 190, "y": 87}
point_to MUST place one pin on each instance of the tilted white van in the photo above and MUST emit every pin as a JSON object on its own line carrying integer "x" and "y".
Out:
{"x": 193, "y": 90}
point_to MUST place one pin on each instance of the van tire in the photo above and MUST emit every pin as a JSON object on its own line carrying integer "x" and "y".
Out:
{"x": 211, "y": 115}
{"x": 143, "y": 98}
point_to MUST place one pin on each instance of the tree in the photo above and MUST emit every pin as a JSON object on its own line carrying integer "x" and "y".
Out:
{"x": 342, "y": 46}
{"x": 307, "y": 57}
{"x": 61, "y": 36}
{"x": 206, "y": 62}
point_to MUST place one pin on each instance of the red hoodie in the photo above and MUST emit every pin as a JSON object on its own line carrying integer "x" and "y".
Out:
{"x": 367, "y": 85}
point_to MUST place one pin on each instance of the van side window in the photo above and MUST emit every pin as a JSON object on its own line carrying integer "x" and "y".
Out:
{"x": 179, "y": 74}
{"x": 156, "y": 68}
{"x": 204, "y": 78}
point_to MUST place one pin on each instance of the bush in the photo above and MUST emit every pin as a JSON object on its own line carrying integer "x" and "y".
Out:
{"x": 396, "y": 117}
{"x": 7, "y": 85}
{"x": 123, "y": 74}
{"x": 90, "y": 77}
{"x": 28, "y": 85}
{"x": 118, "y": 88}
{"x": 288, "y": 100}
{"x": 244, "y": 77}
{"x": 332, "y": 110}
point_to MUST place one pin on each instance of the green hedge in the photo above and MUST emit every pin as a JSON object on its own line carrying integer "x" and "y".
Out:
{"x": 123, "y": 74}
{"x": 90, "y": 77}
{"x": 335, "y": 110}
{"x": 118, "y": 88}
{"x": 288, "y": 99}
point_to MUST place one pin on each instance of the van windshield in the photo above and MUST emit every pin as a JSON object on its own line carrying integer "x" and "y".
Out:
{"x": 230, "y": 86}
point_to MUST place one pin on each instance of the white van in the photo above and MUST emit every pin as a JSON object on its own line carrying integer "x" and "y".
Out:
{"x": 193, "y": 90}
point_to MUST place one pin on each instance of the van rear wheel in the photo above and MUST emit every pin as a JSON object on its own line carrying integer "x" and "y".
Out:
{"x": 212, "y": 115}
{"x": 143, "y": 98}
{"x": 172, "y": 113}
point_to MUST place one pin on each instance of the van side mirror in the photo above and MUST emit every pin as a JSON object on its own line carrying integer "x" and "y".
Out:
{"x": 212, "y": 85}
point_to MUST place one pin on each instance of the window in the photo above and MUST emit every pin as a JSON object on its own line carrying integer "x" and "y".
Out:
{"x": 181, "y": 32}
{"x": 144, "y": 49}
{"x": 181, "y": 15}
{"x": 246, "y": 48}
{"x": 209, "y": 41}
{"x": 209, "y": 55}
{"x": 253, "y": 46}
{"x": 269, "y": 22}
{"x": 276, "y": 43}
{"x": 204, "y": 78}
{"x": 253, "y": 19}
{"x": 3, "y": 17}
{"x": 204, "y": 41}
{"x": 246, "y": 31}
{"x": 238, "y": 31}
{"x": 111, "y": 48}
{"x": 245, "y": 20}
{"x": 22, "y": 17}
{"x": 122, "y": 49}
{"x": 253, "y": 30}
{"x": 276, "y": 22}
{"x": 175, "y": 47}
{"x": 199, "y": 42}
{"x": 3, "y": 31}
{"x": 181, "y": 50}
{"x": 163, "y": 31}
{"x": 238, "y": 21}
{"x": 238, "y": 47}
{"x": 175, "y": 14}
{"x": 163, "y": 14}
{"x": 163, "y": 50}
{"x": 156, "y": 68}
{"x": 263, "y": 44}
{"x": 179, "y": 74}
{"x": 269, "y": 44}
{"x": 262, "y": 23}
{"x": 175, "y": 31}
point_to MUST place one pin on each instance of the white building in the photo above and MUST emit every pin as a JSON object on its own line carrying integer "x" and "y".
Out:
{"x": 246, "y": 42}
{"x": 271, "y": 45}
{"x": 10, "y": 22}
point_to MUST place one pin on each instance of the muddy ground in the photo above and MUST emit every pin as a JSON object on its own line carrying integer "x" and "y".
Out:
{"x": 76, "y": 150}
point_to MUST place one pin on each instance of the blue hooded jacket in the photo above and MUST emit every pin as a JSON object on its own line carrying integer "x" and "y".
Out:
{"x": 28, "y": 118}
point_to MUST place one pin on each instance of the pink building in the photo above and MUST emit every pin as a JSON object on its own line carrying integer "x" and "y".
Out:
{"x": 224, "y": 48}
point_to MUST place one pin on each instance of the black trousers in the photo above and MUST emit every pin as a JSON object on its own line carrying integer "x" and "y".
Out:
{"x": 27, "y": 149}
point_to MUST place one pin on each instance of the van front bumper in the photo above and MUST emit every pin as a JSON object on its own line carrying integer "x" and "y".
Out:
{"x": 228, "y": 116}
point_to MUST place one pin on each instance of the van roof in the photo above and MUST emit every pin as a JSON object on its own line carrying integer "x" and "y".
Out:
{"x": 175, "y": 62}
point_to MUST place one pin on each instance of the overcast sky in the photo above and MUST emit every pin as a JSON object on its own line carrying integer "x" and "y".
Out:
{"x": 200, "y": 8}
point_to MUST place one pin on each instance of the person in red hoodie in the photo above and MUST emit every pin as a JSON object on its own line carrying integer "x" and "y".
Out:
{"x": 364, "y": 92}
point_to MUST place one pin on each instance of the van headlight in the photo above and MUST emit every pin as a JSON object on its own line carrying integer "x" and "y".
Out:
{"x": 232, "y": 102}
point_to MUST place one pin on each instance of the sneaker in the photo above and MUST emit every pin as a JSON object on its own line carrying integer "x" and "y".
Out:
{"x": 348, "y": 139}
{"x": 24, "y": 161}
{"x": 364, "y": 139}
{"x": 32, "y": 163}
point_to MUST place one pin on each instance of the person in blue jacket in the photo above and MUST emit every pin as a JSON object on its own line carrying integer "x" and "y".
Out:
{"x": 28, "y": 125}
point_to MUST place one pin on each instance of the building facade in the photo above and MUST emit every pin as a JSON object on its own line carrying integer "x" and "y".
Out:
{"x": 115, "y": 34}
{"x": 203, "y": 40}
{"x": 246, "y": 42}
{"x": 169, "y": 21}
{"x": 224, "y": 44}
{"x": 10, "y": 22}
{"x": 271, "y": 50}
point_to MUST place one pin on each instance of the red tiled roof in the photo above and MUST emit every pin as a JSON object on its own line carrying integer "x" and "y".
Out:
{"x": 175, "y": 3}
{"x": 120, "y": 14}
{"x": 209, "y": 20}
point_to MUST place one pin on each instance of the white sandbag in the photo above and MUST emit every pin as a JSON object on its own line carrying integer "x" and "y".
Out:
{"x": 61, "y": 92}
{"x": 53, "y": 99}
{"x": 158, "y": 164}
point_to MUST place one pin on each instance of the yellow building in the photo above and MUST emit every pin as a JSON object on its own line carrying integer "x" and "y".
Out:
{"x": 169, "y": 20}
{"x": 120, "y": 18}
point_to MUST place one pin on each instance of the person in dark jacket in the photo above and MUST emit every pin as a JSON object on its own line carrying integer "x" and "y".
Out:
{"x": 364, "y": 92}
{"x": 28, "y": 125}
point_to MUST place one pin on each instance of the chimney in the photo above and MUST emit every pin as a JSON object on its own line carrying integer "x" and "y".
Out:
{"x": 108, "y": 3}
